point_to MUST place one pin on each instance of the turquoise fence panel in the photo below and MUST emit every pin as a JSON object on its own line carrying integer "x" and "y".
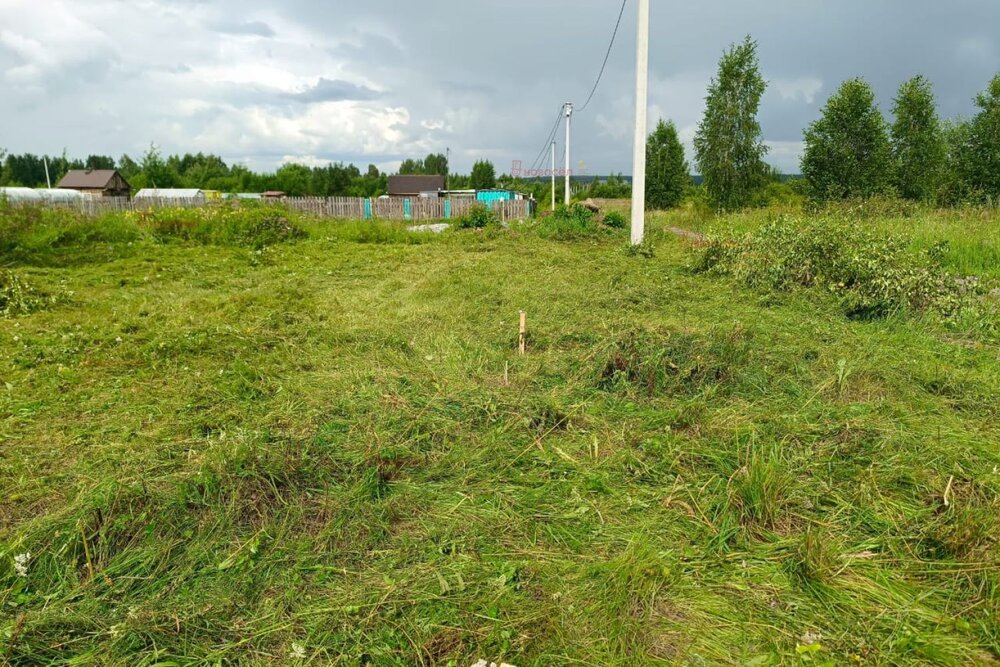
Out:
{"x": 407, "y": 209}
{"x": 368, "y": 209}
{"x": 488, "y": 197}
{"x": 447, "y": 209}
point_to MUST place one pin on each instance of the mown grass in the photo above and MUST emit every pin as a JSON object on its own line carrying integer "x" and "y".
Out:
{"x": 216, "y": 453}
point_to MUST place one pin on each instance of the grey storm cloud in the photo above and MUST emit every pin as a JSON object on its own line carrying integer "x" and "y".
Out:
{"x": 262, "y": 82}
{"x": 334, "y": 90}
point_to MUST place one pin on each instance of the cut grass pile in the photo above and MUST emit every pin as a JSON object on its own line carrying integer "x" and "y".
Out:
{"x": 327, "y": 451}
{"x": 870, "y": 274}
{"x": 967, "y": 240}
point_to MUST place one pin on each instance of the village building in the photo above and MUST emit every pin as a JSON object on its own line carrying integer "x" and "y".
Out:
{"x": 96, "y": 182}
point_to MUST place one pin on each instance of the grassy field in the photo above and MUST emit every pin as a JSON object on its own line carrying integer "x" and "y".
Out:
{"x": 326, "y": 450}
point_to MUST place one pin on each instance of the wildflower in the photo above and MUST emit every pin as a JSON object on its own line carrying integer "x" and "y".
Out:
{"x": 21, "y": 564}
{"x": 298, "y": 652}
{"x": 118, "y": 339}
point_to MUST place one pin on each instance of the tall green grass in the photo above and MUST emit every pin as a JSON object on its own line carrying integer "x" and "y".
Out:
{"x": 331, "y": 448}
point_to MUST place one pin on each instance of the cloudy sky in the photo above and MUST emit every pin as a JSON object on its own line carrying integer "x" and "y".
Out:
{"x": 376, "y": 81}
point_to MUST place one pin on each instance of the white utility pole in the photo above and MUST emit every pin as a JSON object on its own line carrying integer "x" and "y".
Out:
{"x": 553, "y": 174}
{"x": 569, "y": 116}
{"x": 48, "y": 182}
{"x": 641, "y": 100}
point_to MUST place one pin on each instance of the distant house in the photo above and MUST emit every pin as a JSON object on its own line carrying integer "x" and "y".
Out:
{"x": 415, "y": 186}
{"x": 184, "y": 194}
{"x": 96, "y": 182}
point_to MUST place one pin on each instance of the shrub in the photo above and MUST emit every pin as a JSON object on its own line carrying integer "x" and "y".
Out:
{"x": 269, "y": 229}
{"x": 615, "y": 220}
{"x": 478, "y": 217}
{"x": 245, "y": 226}
{"x": 871, "y": 275}
{"x": 569, "y": 223}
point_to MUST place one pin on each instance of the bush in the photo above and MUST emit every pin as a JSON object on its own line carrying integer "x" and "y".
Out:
{"x": 245, "y": 226}
{"x": 269, "y": 229}
{"x": 478, "y": 217}
{"x": 568, "y": 223}
{"x": 615, "y": 220}
{"x": 871, "y": 275}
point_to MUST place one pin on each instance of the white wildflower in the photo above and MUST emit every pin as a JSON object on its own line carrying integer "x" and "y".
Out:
{"x": 21, "y": 563}
{"x": 118, "y": 340}
{"x": 298, "y": 652}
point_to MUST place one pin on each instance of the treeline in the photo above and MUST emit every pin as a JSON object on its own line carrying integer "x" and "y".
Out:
{"x": 211, "y": 172}
{"x": 851, "y": 151}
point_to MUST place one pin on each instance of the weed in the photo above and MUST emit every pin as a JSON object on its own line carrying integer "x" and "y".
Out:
{"x": 615, "y": 220}
{"x": 760, "y": 489}
{"x": 568, "y": 223}
{"x": 479, "y": 216}
{"x": 18, "y": 297}
{"x": 871, "y": 275}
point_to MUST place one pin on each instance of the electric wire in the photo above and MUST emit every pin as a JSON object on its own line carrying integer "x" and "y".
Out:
{"x": 548, "y": 142}
{"x": 606, "y": 56}
{"x": 555, "y": 127}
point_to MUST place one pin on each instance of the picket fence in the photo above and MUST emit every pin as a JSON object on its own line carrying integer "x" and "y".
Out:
{"x": 353, "y": 208}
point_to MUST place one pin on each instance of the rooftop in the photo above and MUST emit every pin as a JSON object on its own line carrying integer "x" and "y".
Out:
{"x": 87, "y": 178}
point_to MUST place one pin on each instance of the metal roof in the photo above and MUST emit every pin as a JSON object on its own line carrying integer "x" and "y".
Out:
{"x": 413, "y": 185}
{"x": 169, "y": 193}
{"x": 90, "y": 179}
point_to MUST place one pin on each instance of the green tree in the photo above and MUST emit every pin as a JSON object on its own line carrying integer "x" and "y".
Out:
{"x": 728, "y": 147}
{"x": 128, "y": 167}
{"x": 99, "y": 162}
{"x": 484, "y": 176}
{"x": 295, "y": 180}
{"x": 411, "y": 167}
{"x": 847, "y": 150}
{"x": 918, "y": 144}
{"x": 667, "y": 174}
{"x": 436, "y": 165}
{"x": 155, "y": 172}
{"x": 955, "y": 186}
{"x": 980, "y": 151}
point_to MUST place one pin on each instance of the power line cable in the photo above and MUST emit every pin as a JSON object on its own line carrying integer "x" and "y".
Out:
{"x": 548, "y": 142}
{"x": 606, "y": 56}
{"x": 555, "y": 127}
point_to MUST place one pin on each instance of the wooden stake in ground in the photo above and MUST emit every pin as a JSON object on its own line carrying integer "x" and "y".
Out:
{"x": 522, "y": 331}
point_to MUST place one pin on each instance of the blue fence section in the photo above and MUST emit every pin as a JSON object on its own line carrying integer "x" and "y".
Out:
{"x": 368, "y": 209}
{"x": 489, "y": 197}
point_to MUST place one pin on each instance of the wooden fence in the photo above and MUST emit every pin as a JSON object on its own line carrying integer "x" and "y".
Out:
{"x": 353, "y": 208}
